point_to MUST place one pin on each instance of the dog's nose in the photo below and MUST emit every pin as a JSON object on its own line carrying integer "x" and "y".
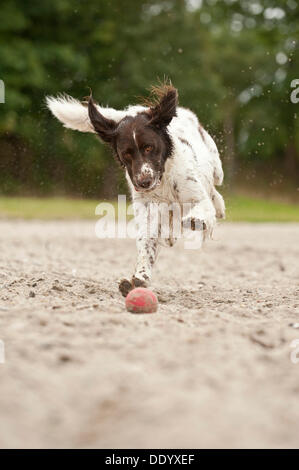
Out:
{"x": 145, "y": 182}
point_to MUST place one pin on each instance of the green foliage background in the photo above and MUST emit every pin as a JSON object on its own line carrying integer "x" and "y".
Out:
{"x": 232, "y": 61}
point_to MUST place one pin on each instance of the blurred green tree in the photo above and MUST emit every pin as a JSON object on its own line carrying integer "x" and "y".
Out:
{"x": 232, "y": 61}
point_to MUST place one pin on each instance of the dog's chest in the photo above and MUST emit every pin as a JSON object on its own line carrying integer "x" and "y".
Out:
{"x": 168, "y": 190}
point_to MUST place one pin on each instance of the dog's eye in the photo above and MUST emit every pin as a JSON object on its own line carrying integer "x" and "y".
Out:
{"x": 148, "y": 148}
{"x": 127, "y": 156}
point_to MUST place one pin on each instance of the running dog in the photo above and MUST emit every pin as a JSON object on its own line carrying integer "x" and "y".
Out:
{"x": 169, "y": 159}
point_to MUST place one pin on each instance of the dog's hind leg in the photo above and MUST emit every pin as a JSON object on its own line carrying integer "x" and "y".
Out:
{"x": 219, "y": 204}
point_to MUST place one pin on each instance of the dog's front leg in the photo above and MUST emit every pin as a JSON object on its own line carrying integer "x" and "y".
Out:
{"x": 147, "y": 248}
{"x": 198, "y": 210}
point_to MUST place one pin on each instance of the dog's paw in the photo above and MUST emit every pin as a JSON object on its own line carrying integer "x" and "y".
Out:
{"x": 125, "y": 286}
{"x": 193, "y": 223}
{"x": 138, "y": 282}
{"x": 205, "y": 224}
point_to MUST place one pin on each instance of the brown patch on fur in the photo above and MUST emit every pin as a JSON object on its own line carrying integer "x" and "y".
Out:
{"x": 190, "y": 178}
{"x": 194, "y": 224}
{"x": 175, "y": 187}
{"x": 201, "y": 131}
{"x": 185, "y": 142}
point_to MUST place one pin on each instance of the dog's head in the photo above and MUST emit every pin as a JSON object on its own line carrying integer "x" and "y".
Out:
{"x": 141, "y": 142}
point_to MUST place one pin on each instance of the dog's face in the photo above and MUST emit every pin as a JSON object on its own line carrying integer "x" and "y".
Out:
{"x": 141, "y": 143}
{"x": 143, "y": 150}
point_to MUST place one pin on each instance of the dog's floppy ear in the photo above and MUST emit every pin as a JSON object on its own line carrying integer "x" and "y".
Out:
{"x": 165, "y": 106}
{"x": 84, "y": 117}
{"x": 104, "y": 127}
{"x": 72, "y": 113}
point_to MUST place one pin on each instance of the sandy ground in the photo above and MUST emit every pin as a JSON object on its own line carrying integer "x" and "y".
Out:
{"x": 211, "y": 369}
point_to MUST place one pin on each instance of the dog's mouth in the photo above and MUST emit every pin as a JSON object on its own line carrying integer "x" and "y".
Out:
{"x": 156, "y": 182}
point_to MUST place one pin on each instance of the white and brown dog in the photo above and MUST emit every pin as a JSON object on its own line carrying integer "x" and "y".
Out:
{"x": 168, "y": 158}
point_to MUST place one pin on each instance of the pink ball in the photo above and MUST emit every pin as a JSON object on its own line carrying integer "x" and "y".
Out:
{"x": 141, "y": 300}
